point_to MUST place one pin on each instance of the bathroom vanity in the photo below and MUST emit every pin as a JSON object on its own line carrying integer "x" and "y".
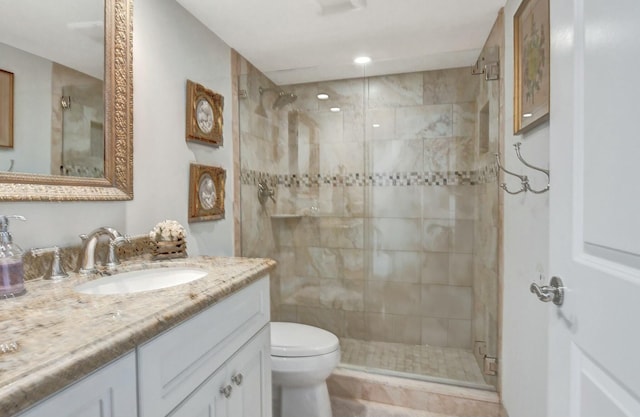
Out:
{"x": 191, "y": 349}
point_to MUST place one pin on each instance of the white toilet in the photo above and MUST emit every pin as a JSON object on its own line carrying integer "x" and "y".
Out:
{"x": 302, "y": 358}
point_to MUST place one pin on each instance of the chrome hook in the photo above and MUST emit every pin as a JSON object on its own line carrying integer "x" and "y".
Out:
{"x": 524, "y": 181}
{"x": 544, "y": 171}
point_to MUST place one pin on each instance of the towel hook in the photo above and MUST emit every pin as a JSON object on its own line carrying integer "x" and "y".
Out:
{"x": 524, "y": 180}
{"x": 544, "y": 171}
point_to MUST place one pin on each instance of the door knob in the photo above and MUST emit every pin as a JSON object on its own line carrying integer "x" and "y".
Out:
{"x": 553, "y": 292}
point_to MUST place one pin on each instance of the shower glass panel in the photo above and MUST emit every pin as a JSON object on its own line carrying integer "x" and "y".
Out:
{"x": 82, "y": 130}
{"x": 386, "y": 214}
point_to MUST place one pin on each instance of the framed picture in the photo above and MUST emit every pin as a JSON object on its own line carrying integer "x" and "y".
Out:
{"x": 206, "y": 193}
{"x": 531, "y": 65}
{"x": 204, "y": 115}
{"x": 6, "y": 109}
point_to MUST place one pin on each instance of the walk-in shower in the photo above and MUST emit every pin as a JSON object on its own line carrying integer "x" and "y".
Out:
{"x": 384, "y": 224}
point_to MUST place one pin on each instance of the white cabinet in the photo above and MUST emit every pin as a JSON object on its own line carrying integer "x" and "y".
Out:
{"x": 108, "y": 392}
{"x": 182, "y": 370}
{"x": 240, "y": 388}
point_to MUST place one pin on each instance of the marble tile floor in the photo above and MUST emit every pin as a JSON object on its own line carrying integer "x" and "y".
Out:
{"x": 422, "y": 360}
{"x": 343, "y": 407}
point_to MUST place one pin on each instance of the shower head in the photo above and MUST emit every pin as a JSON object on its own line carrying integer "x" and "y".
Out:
{"x": 283, "y": 99}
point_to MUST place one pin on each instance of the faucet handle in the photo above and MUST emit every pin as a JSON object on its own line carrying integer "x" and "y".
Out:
{"x": 112, "y": 257}
{"x": 56, "y": 272}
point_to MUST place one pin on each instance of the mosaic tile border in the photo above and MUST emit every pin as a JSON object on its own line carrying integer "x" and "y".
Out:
{"x": 486, "y": 175}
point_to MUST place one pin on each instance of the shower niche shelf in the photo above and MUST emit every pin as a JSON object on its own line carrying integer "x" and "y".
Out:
{"x": 286, "y": 216}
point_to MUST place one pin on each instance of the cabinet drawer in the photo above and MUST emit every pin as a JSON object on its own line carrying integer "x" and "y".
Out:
{"x": 175, "y": 363}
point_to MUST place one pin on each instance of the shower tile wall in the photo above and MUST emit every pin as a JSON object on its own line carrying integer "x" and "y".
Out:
{"x": 384, "y": 247}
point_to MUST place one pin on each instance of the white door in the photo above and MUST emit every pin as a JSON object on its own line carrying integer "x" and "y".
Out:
{"x": 595, "y": 207}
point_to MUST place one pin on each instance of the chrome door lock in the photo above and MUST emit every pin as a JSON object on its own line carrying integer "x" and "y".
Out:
{"x": 553, "y": 292}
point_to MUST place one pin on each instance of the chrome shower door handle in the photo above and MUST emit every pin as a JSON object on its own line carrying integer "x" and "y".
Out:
{"x": 553, "y": 292}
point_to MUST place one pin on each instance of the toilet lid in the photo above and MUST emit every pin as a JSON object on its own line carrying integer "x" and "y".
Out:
{"x": 298, "y": 340}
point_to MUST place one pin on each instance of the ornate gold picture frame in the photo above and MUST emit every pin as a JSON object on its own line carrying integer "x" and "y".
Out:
{"x": 206, "y": 193}
{"x": 6, "y": 109}
{"x": 531, "y": 65}
{"x": 204, "y": 115}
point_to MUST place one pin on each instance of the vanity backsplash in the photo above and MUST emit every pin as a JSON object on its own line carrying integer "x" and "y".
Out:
{"x": 36, "y": 266}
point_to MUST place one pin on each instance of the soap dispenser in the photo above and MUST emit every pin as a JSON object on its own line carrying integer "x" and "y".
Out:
{"x": 11, "y": 270}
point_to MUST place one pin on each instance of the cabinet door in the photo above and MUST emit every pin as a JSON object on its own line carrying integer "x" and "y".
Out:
{"x": 246, "y": 377}
{"x": 108, "y": 392}
{"x": 249, "y": 372}
{"x": 206, "y": 401}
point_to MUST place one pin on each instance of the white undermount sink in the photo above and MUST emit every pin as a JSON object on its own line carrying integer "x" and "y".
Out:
{"x": 142, "y": 280}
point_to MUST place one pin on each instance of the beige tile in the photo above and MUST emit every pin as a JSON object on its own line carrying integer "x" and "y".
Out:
{"x": 385, "y": 118}
{"x": 395, "y": 90}
{"x": 394, "y": 201}
{"x": 436, "y": 154}
{"x": 404, "y": 266}
{"x": 459, "y": 334}
{"x": 393, "y": 328}
{"x": 390, "y": 156}
{"x": 444, "y": 301}
{"x": 434, "y": 332}
{"x": 395, "y": 234}
{"x": 436, "y": 202}
{"x": 461, "y": 269}
{"x": 324, "y": 318}
{"x": 461, "y": 236}
{"x": 341, "y": 232}
{"x": 352, "y": 266}
{"x": 424, "y": 122}
{"x": 393, "y": 298}
{"x": 436, "y": 235}
{"x": 354, "y": 325}
{"x": 450, "y": 86}
{"x": 435, "y": 268}
{"x": 345, "y": 295}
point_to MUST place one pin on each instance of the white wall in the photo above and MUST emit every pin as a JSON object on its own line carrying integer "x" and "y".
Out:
{"x": 526, "y": 241}
{"x": 169, "y": 47}
{"x": 32, "y": 112}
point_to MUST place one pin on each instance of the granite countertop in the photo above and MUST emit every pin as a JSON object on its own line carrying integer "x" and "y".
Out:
{"x": 63, "y": 335}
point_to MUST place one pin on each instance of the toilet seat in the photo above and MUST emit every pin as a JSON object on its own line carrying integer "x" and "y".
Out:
{"x": 299, "y": 340}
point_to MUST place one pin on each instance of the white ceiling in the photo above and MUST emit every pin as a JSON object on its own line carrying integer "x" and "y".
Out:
{"x": 296, "y": 41}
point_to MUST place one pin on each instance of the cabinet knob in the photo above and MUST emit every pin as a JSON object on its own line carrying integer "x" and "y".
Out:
{"x": 226, "y": 391}
{"x": 237, "y": 379}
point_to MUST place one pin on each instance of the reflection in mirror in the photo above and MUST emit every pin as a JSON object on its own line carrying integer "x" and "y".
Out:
{"x": 72, "y": 134}
{"x": 58, "y": 90}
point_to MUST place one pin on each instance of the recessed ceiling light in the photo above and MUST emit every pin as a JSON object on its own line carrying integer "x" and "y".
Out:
{"x": 362, "y": 60}
{"x": 376, "y": 125}
{"x": 527, "y": 115}
{"x": 335, "y": 109}
{"x": 323, "y": 96}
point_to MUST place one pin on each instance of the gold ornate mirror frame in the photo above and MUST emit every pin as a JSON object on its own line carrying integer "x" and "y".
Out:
{"x": 118, "y": 181}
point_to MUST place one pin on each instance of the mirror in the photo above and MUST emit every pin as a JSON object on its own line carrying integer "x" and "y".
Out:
{"x": 113, "y": 172}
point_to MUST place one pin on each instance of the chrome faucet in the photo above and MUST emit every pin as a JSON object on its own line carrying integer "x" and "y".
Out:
{"x": 88, "y": 254}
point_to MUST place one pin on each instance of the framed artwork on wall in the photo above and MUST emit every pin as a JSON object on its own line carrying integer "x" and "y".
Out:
{"x": 531, "y": 65}
{"x": 6, "y": 109}
{"x": 204, "y": 115}
{"x": 206, "y": 193}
